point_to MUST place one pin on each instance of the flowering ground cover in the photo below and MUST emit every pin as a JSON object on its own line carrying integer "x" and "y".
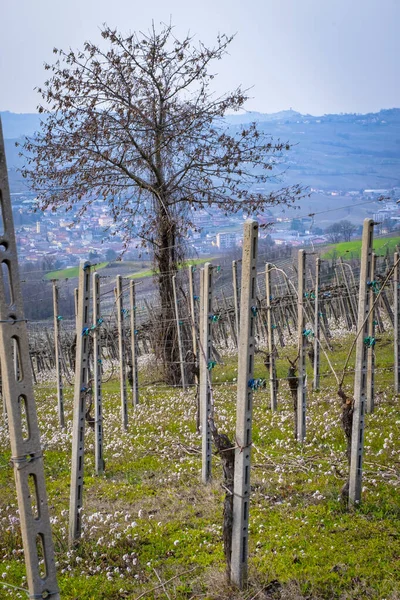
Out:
{"x": 152, "y": 530}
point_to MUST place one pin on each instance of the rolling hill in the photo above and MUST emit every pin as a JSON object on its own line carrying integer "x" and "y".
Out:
{"x": 344, "y": 152}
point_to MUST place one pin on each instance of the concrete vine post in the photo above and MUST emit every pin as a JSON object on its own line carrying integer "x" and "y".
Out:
{"x": 271, "y": 345}
{"x": 236, "y": 296}
{"x": 206, "y": 366}
{"x": 134, "y": 348}
{"x": 76, "y": 304}
{"x": 26, "y": 451}
{"x": 57, "y": 351}
{"x": 121, "y": 351}
{"x": 302, "y": 341}
{"x": 317, "y": 324}
{"x": 179, "y": 334}
{"x": 193, "y": 317}
{"x": 396, "y": 329}
{"x": 371, "y": 336}
{"x": 362, "y": 348}
{"x": 202, "y": 360}
{"x": 98, "y": 403}
{"x": 80, "y": 393}
{"x": 244, "y": 406}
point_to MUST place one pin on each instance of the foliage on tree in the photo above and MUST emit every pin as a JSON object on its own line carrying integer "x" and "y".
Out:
{"x": 137, "y": 124}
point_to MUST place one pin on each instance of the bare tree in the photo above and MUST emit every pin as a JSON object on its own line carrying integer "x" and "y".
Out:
{"x": 137, "y": 124}
{"x": 334, "y": 233}
{"x": 348, "y": 230}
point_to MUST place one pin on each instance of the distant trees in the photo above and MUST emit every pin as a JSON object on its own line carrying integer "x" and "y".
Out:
{"x": 110, "y": 254}
{"x": 138, "y": 125}
{"x": 340, "y": 231}
{"x": 94, "y": 255}
{"x": 347, "y": 229}
{"x": 297, "y": 225}
{"x": 334, "y": 233}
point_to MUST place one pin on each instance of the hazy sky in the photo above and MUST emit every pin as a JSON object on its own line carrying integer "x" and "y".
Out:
{"x": 316, "y": 56}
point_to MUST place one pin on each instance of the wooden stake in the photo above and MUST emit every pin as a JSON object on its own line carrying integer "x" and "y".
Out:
{"x": 241, "y": 499}
{"x": 357, "y": 439}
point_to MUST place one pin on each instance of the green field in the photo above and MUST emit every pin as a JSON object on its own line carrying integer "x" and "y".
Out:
{"x": 353, "y": 249}
{"x": 151, "y": 272}
{"x": 71, "y": 272}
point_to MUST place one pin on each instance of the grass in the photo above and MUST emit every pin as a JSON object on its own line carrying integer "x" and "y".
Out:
{"x": 71, "y": 272}
{"x": 353, "y": 249}
{"x": 148, "y": 518}
{"x": 152, "y": 272}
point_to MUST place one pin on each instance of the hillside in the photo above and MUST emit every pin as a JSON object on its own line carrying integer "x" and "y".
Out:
{"x": 345, "y": 152}
{"x": 330, "y": 152}
{"x": 16, "y": 125}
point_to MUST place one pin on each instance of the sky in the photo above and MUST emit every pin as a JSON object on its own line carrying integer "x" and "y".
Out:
{"x": 314, "y": 56}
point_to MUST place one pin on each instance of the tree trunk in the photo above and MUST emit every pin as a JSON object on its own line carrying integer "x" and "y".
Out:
{"x": 293, "y": 382}
{"x": 226, "y": 450}
{"x": 166, "y": 263}
{"x": 347, "y": 423}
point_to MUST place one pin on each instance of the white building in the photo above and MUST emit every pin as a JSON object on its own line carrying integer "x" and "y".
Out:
{"x": 226, "y": 240}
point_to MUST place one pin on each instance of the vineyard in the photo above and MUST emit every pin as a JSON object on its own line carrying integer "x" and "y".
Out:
{"x": 271, "y": 470}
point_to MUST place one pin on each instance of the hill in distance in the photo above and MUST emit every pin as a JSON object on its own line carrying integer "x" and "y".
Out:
{"x": 18, "y": 125}
{"x": 329, "y": 152}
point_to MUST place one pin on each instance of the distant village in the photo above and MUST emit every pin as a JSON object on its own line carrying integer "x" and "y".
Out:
{"x": 60, "y": 240}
